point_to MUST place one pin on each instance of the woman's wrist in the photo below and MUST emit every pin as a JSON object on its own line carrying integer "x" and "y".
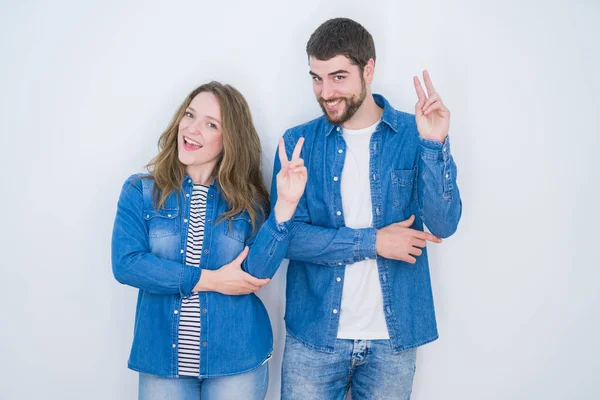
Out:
{"x": 284, "y": 211}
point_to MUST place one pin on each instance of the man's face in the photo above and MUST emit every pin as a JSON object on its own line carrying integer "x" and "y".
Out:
{"x": 339, "y": 86}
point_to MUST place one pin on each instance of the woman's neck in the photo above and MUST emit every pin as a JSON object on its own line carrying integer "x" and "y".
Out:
{"x": 201, "y": 174}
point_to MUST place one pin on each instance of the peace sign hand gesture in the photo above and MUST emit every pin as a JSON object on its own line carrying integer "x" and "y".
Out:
{"x": 291, "y": 181}
{"x": 433, "y": 118}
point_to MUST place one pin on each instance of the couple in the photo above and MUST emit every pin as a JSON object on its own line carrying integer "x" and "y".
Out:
{"x": 199, "y": 235}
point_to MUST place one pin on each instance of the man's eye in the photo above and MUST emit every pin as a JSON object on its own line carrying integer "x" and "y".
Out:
{"x": 338, "y": 77}
{"x": 316, "y": 79}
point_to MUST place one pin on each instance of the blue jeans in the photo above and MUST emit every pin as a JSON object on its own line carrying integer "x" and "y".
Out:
{"x": 368, "y": 368}
{"x": 250, "y": 385}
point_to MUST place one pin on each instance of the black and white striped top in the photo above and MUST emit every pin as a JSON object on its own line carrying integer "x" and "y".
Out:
{"x": 189, "y": 319}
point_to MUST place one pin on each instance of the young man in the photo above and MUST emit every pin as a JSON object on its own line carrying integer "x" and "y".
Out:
{"x": 359, "y": 298}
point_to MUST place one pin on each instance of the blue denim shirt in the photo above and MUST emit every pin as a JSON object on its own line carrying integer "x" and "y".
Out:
{"x": 409, "y": 175}
{"x": 148, "y": 252}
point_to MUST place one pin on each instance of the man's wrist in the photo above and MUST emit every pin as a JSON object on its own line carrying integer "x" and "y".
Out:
{"x": 206, "y": 282}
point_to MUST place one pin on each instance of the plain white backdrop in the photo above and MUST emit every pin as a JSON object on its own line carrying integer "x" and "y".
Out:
{"x": 86, "y": 88}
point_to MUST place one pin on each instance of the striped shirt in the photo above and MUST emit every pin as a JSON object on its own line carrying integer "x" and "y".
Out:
{"x": 189, "y": 318}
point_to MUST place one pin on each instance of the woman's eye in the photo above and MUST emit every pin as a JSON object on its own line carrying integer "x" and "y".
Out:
{"x": 189, "y": 114}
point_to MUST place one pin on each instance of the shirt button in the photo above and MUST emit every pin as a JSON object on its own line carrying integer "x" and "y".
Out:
{"x": 206, "y": 251}
{"x": 176, "y": 312}
{"x": 374, "y": 178}
{"x": 366, "y": 258}
{"x": 204, "y": 344}
{"x": 187, "y": 195}
{"x": 339, "y": 213}
{"x": 181, "y": 251}
{"x": 185, "y": 220}
{"x": 169, "y": 215}
{"x": 444, "y": 149}
{"x": 147, "y": 216}
{"x": 211, "y": 196}
{"x": 337, "y": 129}
{"x": 447, "y": 176}
{"x": 189, "y": 181}
{"x": 340, "y": 263}
{"x": 208, "y": 221}
{"x": 340, "y": 151}
{"x": 205, "y": 310}
{"x": 338, "y": 279}
{"x": 335, "y": 178}
{"x": 174, "y": 345}
{"x": 335, "y": 310}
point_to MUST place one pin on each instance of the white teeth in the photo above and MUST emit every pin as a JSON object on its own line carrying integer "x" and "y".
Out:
{"x": 190, "y": 141}
{"x": 333, "y": 103}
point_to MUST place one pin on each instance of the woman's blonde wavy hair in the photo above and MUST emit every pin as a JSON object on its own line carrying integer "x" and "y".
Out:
{"x": 238, "y": 169}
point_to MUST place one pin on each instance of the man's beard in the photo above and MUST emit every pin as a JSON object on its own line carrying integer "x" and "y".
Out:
{"x": 352, "y": 105}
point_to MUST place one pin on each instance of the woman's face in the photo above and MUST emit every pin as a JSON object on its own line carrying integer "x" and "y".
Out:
{"x": 200, "y": 137}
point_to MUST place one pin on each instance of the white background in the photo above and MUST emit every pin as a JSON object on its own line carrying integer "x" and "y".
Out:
{"x": 86, "y": 89}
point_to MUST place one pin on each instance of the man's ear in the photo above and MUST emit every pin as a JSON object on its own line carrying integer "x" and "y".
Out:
{"x": 369, "y": 71}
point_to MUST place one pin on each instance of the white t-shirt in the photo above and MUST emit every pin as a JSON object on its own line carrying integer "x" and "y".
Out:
{"x": 361, "y": 315}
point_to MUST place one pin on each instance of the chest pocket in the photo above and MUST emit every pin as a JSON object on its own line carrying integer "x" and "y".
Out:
{"x": 241, "y": 227}
{"x": 404, "y": 187}
{"x": 164, "y": 222}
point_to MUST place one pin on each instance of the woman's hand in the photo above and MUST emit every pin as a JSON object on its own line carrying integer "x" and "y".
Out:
{"x": 291, "y": 181}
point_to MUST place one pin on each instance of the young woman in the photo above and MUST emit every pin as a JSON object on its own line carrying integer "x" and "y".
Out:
{"x": 196, "y": 238}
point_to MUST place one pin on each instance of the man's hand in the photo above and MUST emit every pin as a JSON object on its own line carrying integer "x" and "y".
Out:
{"x": 399, "y": 242}
{"x": 432, "y": 116}
{"x": 230, "y": 279}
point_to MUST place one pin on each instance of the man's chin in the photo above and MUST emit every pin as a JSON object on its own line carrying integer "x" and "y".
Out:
{"x": 334, "y": 118}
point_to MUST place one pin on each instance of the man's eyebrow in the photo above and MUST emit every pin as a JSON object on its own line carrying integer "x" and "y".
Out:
{"x": 339, "y": 71}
